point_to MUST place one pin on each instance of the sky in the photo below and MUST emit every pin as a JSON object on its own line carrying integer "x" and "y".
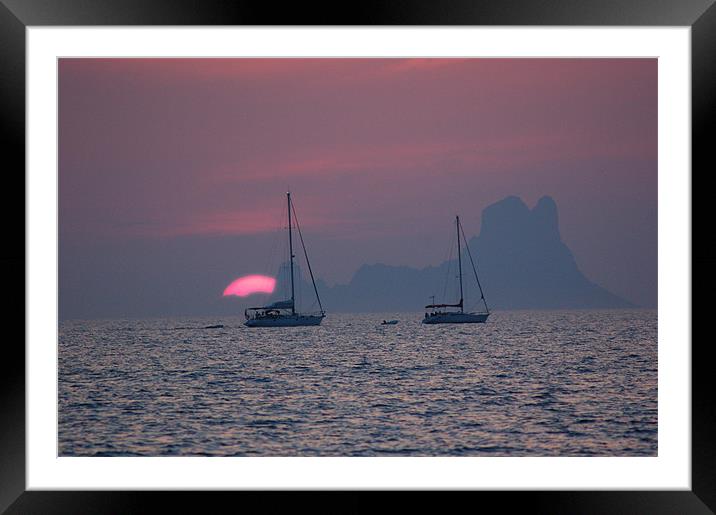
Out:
{"x": 172, "y": 171}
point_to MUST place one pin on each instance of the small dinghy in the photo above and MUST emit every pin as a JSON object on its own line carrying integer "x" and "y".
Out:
{"x": 389, "y": 322}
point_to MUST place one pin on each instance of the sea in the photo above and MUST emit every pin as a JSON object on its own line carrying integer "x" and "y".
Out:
{"x": 526, "y": 383}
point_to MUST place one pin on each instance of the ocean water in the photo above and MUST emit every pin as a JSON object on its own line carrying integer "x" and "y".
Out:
{"x": 543, "y": 383}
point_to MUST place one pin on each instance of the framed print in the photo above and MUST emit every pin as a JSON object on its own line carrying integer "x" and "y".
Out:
{"x": 412, "y": 249}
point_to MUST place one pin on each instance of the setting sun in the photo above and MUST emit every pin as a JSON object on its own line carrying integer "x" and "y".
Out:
{"x": 250, "y": 284}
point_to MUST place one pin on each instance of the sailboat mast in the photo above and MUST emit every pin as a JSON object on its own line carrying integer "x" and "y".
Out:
{"x": 459, "y": 258}
{"x": 290, "y": 252}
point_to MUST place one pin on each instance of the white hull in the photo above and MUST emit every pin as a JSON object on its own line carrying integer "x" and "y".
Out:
{"x": 284, "y": 321}
{"x": 456, "y": 318}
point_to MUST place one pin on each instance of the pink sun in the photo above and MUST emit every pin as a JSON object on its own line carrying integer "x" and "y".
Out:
{"x": 250, "y": 284}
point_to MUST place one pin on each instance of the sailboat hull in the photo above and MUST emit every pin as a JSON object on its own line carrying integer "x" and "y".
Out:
{"x": 456, "y": 318}
{"x": 285, "y": 321}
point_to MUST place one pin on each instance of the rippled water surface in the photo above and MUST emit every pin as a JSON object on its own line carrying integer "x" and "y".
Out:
{"x": 570, "y": 383}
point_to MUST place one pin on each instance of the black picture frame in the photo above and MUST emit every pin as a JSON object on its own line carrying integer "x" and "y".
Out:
{"x": 16, "y": 15}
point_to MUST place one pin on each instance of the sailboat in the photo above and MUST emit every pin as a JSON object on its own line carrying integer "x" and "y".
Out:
{"x": 440, "y": 314}
{"x": 283, "y": 313}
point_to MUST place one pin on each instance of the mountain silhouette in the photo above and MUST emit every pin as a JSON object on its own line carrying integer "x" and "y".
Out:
{"x": 521, "y": 260}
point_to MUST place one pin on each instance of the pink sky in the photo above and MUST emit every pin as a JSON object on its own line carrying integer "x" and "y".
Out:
{"x": 376, "y": 151}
